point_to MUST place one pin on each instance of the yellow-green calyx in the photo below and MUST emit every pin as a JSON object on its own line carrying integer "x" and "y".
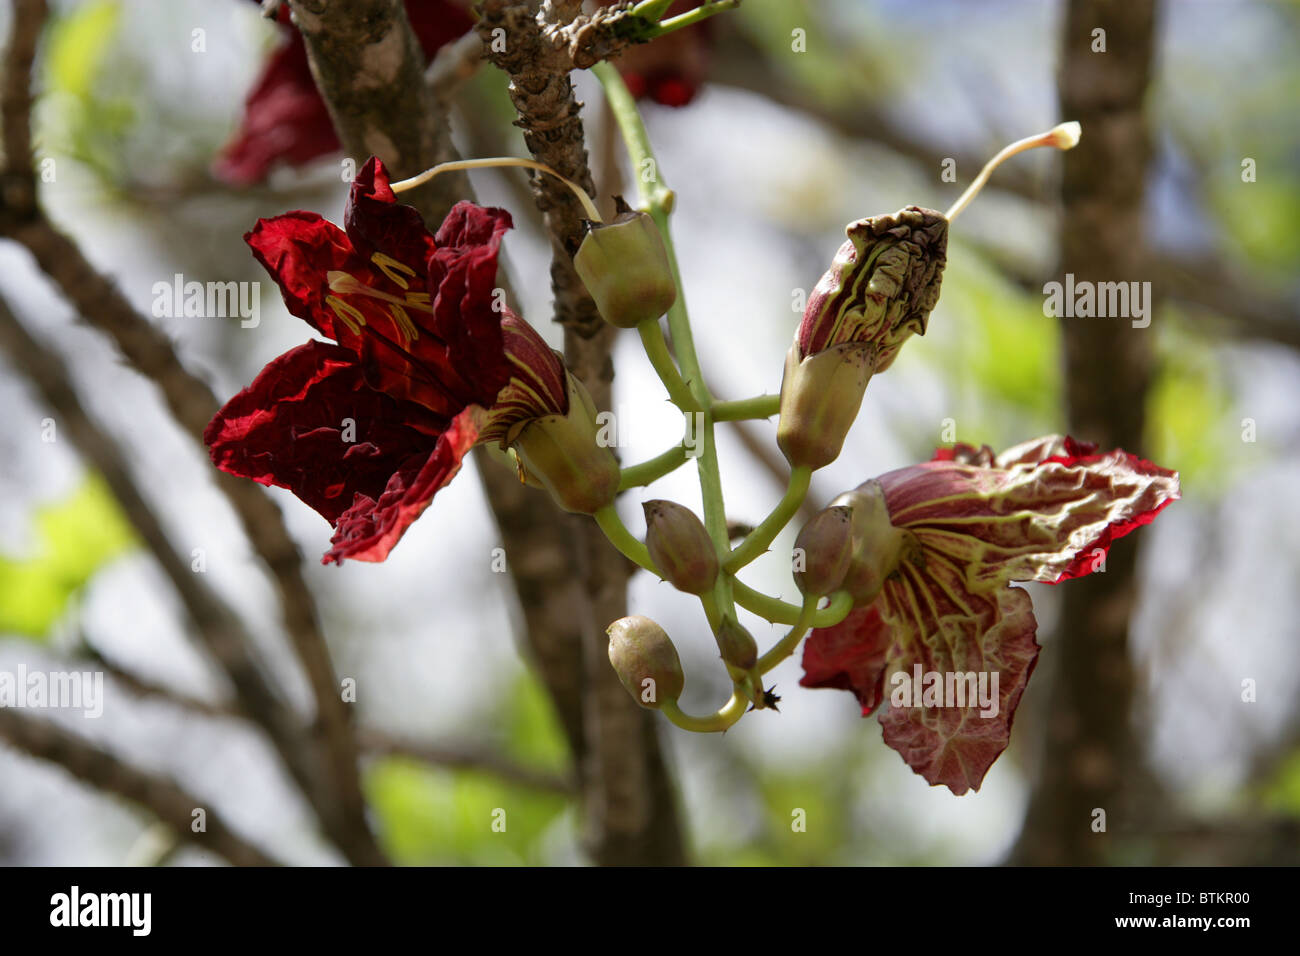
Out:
{"x": 820, "y": 398}
{"x": 680, "y": 546}
{"x": 645, "y": 660}
{"x": 561, "y": 453}
{"x": 625, "y": 267}
{"x": 878, "y": 546}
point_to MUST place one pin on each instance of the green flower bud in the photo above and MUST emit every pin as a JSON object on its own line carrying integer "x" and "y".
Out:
{"x": 561, "y": 453}
{"x": 645, "y": 660}
{"x": 680, "y": 546}
{"x": 737, "y": 645}
{"x": 824, "y": 550}
{"x": 820, "y": 398}
{"x": 878, "y": 546}
{"x": 625, "y": 267}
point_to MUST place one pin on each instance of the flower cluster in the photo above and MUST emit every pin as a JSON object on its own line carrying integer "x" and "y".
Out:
{"x": 420, "y": 360}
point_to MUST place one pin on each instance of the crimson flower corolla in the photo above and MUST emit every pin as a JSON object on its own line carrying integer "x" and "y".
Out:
{"x": 971, "y": 523}
{"x": 422, "y": 364}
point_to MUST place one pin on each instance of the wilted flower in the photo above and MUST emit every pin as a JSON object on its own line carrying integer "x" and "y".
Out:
{"x": 971, "y": 524}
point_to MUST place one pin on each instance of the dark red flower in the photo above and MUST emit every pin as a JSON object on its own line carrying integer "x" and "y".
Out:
{"x": 285, "y": 119}
{"x": 972, "y": 523}
{"x": 366, "y": 429}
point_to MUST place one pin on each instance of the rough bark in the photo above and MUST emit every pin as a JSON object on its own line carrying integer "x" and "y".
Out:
{"x": 629, "y": 809}
{"x": 1090, "y": 759}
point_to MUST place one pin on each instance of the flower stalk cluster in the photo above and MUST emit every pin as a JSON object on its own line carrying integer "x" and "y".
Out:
{"x": 911, "y": 568}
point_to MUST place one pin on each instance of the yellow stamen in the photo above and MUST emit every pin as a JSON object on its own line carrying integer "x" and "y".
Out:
{"x": 349, "y": 315}
{"x": 404, "y": 324}
{"x": 346, "y": 283}
{"x": 392, "y": 269}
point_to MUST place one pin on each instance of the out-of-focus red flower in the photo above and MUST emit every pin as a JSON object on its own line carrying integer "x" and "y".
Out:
{"x": 285, "y": 119}
{"x": 1047, "y": 510}
{"x": 365, "y": 429}
{"x": 671, "y": 69}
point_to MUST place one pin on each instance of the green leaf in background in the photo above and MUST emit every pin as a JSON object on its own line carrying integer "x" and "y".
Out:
{"x": 1190, "y": 417}
{"x": 78, "y": 43}
{"x": 86, "y": 112}
{"x": 1282, "y": 793}
{"x": 77, "y": 536}
{"x": 432, "y": 816}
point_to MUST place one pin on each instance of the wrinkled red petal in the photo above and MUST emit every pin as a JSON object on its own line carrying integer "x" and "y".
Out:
{"x": 1049, "y": 513}
{"x": 418, "y": 312}
{"x": 850, "y": 656}
{"x": 298, "y": 249}
{"x": 376, "y": 222}
{"x": 368, "y": 530}
{"x": 937, "y": 624}
{"x": 291, "y": 428}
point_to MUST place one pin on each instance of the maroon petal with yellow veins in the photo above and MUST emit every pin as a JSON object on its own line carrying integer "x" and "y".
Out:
{"x": 948, "y": 645}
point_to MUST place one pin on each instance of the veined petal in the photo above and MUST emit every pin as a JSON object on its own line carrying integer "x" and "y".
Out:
{"x": 376, "y": 222}
{"x": 309, "y": 423}
{"x": 368, "y": 530}
{"x": 955, "y": 641}
{"x": 538, "y": 384}
{"x": 1043, "y": 517}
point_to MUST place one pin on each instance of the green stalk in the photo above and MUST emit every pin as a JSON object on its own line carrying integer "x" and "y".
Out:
{"x": 658, "y": 199}
{"x": 610, "y": 523}
{"x": 758, "y": 540}
{"x": 788, "y": 644}
{"x": 760, "y": 406}
{"x": 656, "y": 349}
{"x": 781, "y": 612}
{"x": 635, "y": 476}
{"x": 731, "y": 712}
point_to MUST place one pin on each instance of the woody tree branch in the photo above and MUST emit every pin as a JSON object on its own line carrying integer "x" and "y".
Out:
{"x": 1090, "y": 760}
{"x": 158, "y": 795}
{"x": 630, "y": 813}
{"x": 542, "y": 545}
{"x": 326, "y": 767}
{"x": 537, "y": 538}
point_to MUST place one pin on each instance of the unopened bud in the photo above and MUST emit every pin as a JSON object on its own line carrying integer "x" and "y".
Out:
{"x": 561, "y": 453}
{"x": 624, "y": 265}
{"x": 820, "y": 398}
{"x": 645, "y": 660}
{"x": 825, "y": 546}
{"x": 680, "y": 546}
{"x": 878, "y": 546}
{"x": 737, "y": 645}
